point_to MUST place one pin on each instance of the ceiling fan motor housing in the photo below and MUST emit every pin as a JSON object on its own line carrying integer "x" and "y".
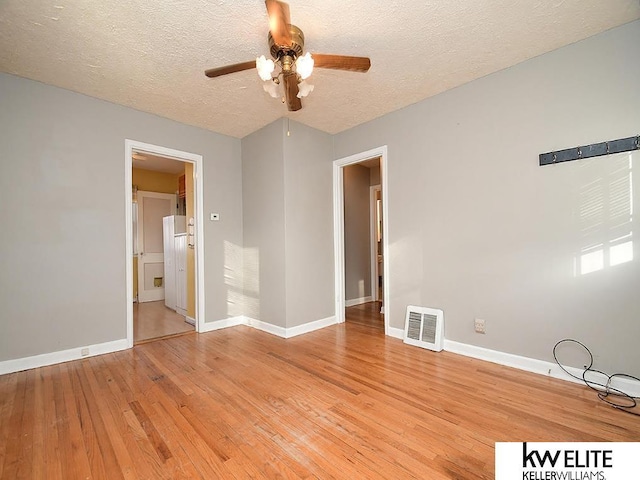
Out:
{"x": 294, "y": 50}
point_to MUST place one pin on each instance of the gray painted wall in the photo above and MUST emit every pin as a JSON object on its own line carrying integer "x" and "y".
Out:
{"x": 288, "y": 224}
{"x": 62, "y": 190}
{"x": 263, "y": 224}
{"x": 357, "y": 232}
{"x": 309, "y": 224}
{"x": 478, "y": 229}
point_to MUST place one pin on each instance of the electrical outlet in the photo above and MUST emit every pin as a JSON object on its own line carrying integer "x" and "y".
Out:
{"x": 84, "y": 352}
{"x": 479, "y": 325}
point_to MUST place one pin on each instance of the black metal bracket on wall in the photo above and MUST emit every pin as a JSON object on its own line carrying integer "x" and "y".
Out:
{"x": 589, "y": 151}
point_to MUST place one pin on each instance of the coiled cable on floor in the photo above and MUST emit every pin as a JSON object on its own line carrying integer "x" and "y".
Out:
{"x": 613, "y": 396}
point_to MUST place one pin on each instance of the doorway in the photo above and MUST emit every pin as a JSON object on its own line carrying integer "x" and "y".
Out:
{"x": 156, "y": 309}
{"x": 339, "y": 229}
{"x": 362, "y": 232}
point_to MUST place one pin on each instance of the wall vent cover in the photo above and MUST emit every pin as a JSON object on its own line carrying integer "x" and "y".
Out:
{"x": 424, "y": 327}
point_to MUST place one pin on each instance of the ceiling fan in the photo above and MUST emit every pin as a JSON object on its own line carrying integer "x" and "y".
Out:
{"x": 286, "y": 44}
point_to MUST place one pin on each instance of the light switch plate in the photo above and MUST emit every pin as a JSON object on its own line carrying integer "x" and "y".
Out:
{"x": 214, "y": 217}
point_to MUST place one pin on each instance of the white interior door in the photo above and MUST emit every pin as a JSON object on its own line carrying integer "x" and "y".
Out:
{"x": 152, "y": 207}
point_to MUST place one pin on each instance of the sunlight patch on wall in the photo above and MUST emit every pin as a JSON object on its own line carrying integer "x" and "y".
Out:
{"x": 252, "y": 282}
{"x": 592, "y": 261}
{"x": 233, "y": 279}
{"x": 621, "y": 253}
{"x": 242, "y": 277}
{"x": 606, "y": 213}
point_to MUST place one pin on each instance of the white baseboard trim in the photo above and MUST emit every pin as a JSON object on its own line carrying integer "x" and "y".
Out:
{"x": 533, "y": 365}
{"x": 189, "y": 320}
{"x": 267, "y": 327}
{"x": 224, "y": 323}
{"x": 395, "y": 332}
{"x": 26, "y": 363}
{"x": 358, "y": 301}
{"x": 311, "y": 326}
{"x": 270, "y": 328}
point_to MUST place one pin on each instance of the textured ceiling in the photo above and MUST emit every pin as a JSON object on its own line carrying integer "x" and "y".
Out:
{"x": 151, "y": 55}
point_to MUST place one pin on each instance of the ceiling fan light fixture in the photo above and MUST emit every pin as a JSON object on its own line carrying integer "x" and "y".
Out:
{"x": 272, "y": 89}
{"x": 304, "y": 89}
{"x": 265, "y": 67}
{"x": 304, "y": 65}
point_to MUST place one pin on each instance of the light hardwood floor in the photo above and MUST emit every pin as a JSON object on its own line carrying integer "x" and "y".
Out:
{"x": 367, "y": 315}
{"x": 153, "y": 320}
{"x": 343, "y": 402}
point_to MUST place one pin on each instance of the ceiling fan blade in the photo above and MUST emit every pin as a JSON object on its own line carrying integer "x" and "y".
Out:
{"x": 279, "y": 22}
{"x": 342, "y": 62}
{"x": 291, "y": 91}
{"x": 238, "y": 67}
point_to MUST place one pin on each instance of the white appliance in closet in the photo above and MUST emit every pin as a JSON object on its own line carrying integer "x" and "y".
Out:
{"x": 175, "y": 262}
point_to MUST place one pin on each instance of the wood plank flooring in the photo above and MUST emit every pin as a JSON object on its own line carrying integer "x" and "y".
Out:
{"x": 344, "y": 402}
{"x": 153, "y": 320}
{"x": 366, "y": 315}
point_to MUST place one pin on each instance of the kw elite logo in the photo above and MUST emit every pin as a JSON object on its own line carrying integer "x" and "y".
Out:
{"x": 567, "y": 461}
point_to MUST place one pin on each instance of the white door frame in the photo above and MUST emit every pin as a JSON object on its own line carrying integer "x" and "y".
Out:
{"x": 373, "y": 215}
{"x": 196, "y": 160}
{"x": 338, "y": 229}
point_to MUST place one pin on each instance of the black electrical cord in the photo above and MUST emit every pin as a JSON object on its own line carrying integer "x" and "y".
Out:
{"x": 616, "y": 398}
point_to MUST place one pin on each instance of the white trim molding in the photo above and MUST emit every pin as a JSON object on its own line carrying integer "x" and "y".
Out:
{"x": 267, "y": 327}
{"x": 225, "y": 323}
{"x": 292, "y": 331}
{"x": 395, "y": 332}
{"x": 197, "y": 161}
{"x": 358, "y": 301}
{"x": 310, "y": 327}
{"x": 533, "y": 365}
{"x": 77, "y": 353}
{"x": 270, "y": 328}
{"x": 338, "y": 229}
